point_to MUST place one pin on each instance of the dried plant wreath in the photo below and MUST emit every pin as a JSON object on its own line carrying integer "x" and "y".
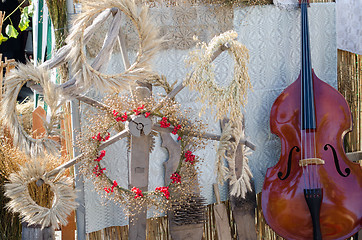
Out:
{"x": 32, "y": 212}
{"x": 149, "y": 44}
{"x": 228, "y": 100}
{"x": 13, "y": 84}
{"x": 183, "y": 181}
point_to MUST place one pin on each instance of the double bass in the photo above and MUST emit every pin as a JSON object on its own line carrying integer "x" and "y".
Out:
{"x": 314, "y": 191}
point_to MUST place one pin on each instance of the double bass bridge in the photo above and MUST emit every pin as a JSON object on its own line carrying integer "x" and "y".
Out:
{"x": 311, "y": 161}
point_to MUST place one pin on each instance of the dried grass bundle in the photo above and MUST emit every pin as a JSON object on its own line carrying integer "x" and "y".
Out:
{"x": 12, "y": 159}
{"x": 58, "y": 15}
{"x": 25, "y": 113}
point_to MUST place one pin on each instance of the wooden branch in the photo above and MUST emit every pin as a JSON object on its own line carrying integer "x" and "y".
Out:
{"x": 210, "y": 136}
{"x": 181, "y": 86}
{"x": 73, "y": 161}
{"x": 99, "y": 61}
{"x": 122, "y": 45}
{"x": 221, "y": 217}
{"x": 92, "y": 102}
{"x": 355, "y": 156}
{"x": 108, "y": 44}
{"x": 217, "y": 193}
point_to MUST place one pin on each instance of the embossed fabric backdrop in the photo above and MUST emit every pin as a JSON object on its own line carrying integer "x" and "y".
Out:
{"x": 273, "y": 37}
{"x": 349, "y": 25}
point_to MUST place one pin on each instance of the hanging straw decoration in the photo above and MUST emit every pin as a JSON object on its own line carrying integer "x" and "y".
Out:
{"x": 228, "y": 100}
{"x": 30, "y": 211}
{"x": 149, "y": 44}
{"x": 13, "y": 84}
{"x": 229, "y": 141}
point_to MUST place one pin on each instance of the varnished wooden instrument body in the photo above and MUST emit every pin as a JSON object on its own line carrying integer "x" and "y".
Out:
{"x": 284, "y": 206}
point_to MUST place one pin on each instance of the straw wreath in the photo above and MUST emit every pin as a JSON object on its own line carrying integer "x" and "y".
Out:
{"x": 21, "y": 201}
{"x": 149, "y": 44}
{"x": 227, "y": 99}
{"x": 13, "y": 84}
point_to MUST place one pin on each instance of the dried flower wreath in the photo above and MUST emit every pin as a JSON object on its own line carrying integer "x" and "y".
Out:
{"x": 149, "y": 44}
{"x": 228, "y": 99}
{"x": 182, "y": 182}
{"x": 22, "y": 202}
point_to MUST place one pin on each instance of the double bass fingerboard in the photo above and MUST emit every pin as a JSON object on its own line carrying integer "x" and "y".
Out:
{"x": 307, "y": 99}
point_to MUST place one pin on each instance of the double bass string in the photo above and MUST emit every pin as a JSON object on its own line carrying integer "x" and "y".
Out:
{"x": 307, "y": 88}
{"x": 303, "y": 114}
{"x": 308, "y": 130}
{"x": 306, "y": 81}
{"x": 313, "y": 148}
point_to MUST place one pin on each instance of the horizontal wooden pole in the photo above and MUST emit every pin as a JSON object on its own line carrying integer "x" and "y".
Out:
{"x": 355, "y": 156}
{"x": 73, "y": 161}
{"x": 210, "y": 136}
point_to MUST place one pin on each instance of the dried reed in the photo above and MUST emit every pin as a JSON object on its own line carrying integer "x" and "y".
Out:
{"x": 25, "y": 110}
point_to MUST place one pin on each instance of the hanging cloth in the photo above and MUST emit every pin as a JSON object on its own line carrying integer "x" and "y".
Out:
{"x": 349, "y": 25}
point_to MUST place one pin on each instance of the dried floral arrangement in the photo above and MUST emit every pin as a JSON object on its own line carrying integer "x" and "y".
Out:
{"x": 60, "y": 189}
{"x": 182, "y": 185}
{"x": 121, "y": 114}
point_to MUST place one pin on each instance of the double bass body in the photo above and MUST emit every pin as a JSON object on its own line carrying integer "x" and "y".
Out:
{"x": 283, "y": 201}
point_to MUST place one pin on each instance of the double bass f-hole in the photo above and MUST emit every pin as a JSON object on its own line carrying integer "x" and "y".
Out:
{"x": 336, "y": 161}
{"x": 280, "y": 174}
{"x": 335, "y": 157}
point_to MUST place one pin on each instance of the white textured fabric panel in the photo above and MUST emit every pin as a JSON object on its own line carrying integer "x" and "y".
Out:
{"x": 349, "y": 25}
{"x": 286, "y": 4}
{"x": 272, "y": 36}
{"x": 100, "y": 212}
